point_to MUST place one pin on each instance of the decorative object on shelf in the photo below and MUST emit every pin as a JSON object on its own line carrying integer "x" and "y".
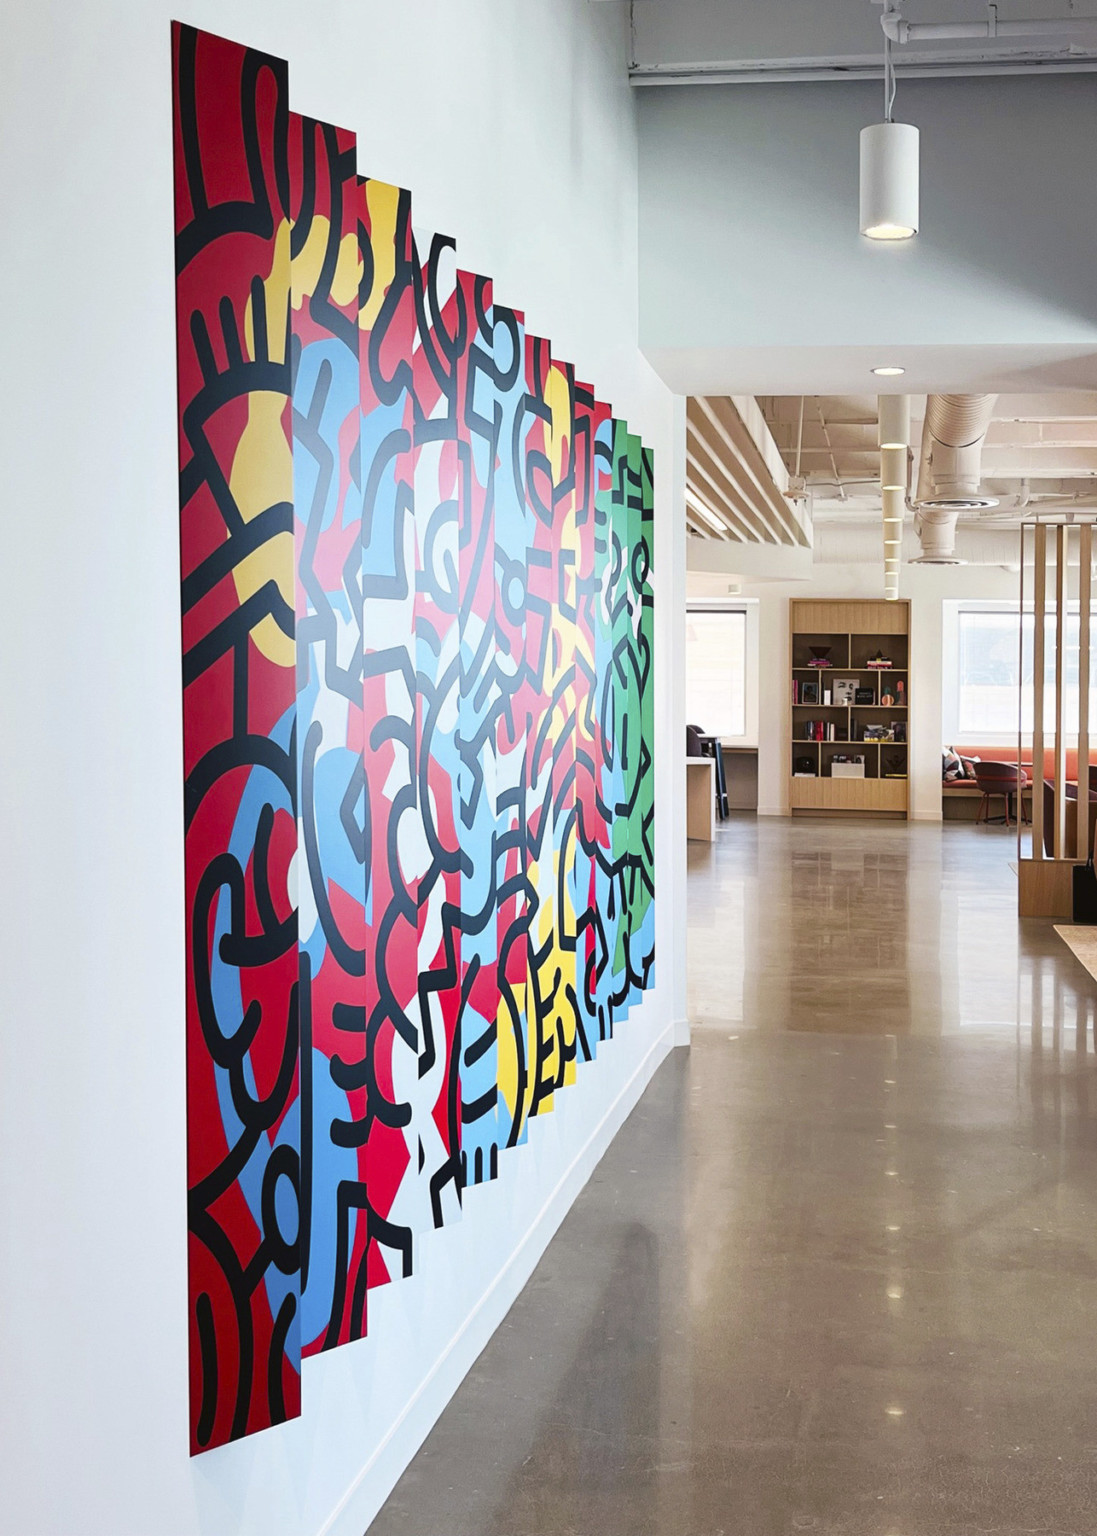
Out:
{"x": 865, "y": 696}
{"x": 809, "y": 693}
{"x": 902, "y": 691}
{"x": 899, "y": 730}
{"x": 844, "y": 690}
{"x": 887, "y": 697}
{"x": 846, "y": 768}
{"x": 879, "y": 660}
{"x": 878, "y": 733}
{"x": 820, "y": 655}
{"x": 805, "y": 768}
{"x": 895, "y": 765}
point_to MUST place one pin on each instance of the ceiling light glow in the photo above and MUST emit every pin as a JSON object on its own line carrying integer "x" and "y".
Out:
{"x": 715, "y": 523}
{"x": 889, "y": 371}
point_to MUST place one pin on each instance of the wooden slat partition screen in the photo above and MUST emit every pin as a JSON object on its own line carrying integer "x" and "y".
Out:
{"x": 1059, "y": 758}
{"x": 1085, "y": 585}
{"x": 1045, "y": 878}
{"x": 1039, "y": 608}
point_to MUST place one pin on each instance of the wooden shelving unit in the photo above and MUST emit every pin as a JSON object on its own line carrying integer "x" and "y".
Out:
{"x": 855, "y": 632}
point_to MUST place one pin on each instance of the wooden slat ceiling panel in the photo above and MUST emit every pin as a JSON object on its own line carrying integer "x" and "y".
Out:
{"x": 727, "y": 474}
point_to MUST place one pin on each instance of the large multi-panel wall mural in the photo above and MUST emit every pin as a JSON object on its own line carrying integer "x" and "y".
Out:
{"x": 418, "y": 729}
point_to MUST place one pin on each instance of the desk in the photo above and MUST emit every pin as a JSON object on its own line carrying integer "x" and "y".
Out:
{"x": 701, "y": 798}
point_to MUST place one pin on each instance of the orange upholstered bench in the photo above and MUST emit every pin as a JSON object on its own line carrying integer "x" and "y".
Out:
{"x": 954, "y": 790}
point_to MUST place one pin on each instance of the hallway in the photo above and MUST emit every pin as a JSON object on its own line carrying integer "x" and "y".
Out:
{"x": 837, "y": 1272}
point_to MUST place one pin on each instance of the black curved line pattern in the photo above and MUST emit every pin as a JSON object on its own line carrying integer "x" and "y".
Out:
{"x": 418, "y": 664}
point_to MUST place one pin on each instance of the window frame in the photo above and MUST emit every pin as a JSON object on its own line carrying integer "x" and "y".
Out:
{"x": 953, "y": 612}
{"x": 749, "y": 606}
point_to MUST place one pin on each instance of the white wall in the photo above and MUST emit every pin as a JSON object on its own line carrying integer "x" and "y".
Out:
{"x": 515, "y": 129}
{"x": 754, "y": 277}
{"x": 927, "y": 587}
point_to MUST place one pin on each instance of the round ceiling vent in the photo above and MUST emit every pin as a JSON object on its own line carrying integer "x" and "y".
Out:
{"x": 936, "y": 560}
{"x": 961, "y": 503}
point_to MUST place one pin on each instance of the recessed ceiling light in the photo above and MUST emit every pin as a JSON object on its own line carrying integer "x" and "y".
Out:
{"x": 888, "y": 373}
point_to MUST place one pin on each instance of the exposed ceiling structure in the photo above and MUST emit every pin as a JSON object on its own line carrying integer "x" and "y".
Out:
{"x": 737, "y": 485}
{"x": 678, "y": 42}
{"x": 1040, "y": 454}
{"x": 796, "y": 471}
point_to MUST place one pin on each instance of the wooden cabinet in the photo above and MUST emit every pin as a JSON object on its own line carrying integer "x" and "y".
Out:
{"x": 845, "y": 704}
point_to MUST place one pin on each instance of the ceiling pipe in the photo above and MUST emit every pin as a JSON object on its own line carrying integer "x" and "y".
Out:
{"x": 900, "y": 31}
{"x": 950, "y": 470}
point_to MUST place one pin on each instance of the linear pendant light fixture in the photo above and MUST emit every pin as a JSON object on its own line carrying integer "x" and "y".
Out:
{"x": 894, "y": 439}
{"x": 889, "y": 170}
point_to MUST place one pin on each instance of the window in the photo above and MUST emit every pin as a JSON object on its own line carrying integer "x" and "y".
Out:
{"x": 716, "y": 670}
{"x": 989, "y": 672}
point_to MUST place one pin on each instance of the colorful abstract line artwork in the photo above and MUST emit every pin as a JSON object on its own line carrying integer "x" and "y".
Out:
{"x": 418, "y": 722}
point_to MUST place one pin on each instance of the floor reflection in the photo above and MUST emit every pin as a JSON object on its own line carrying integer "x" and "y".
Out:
{"x": 836, "y": 1273}
{"x": 860, "y": 927}
{"x": 591, "y": 1467}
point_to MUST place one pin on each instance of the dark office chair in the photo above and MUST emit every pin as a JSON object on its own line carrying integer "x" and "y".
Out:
{"x": 709, "y": 746}
{"x": 723, "y": 809}
{"x": 1005, "y": 779}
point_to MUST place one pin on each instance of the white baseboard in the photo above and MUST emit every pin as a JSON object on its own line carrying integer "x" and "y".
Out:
{"x": 413, "y": 1422}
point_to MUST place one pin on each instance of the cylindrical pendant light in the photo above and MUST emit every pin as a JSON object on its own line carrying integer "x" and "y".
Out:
{"x": 889, "y": 170}
{"x": 893, "y": 470}
{"x": 889, "y": 181}
{"x": 894, "y": 414}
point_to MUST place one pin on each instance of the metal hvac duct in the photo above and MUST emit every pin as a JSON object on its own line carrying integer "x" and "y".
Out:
{"x": 950, "y": 471}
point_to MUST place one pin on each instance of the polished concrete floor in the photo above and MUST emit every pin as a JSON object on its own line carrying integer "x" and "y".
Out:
{"x": 838, "y": 1272}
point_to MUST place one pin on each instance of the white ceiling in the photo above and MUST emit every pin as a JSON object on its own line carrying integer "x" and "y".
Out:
{"x": 978, "y": 369}
{"x": 755, "y": 280}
